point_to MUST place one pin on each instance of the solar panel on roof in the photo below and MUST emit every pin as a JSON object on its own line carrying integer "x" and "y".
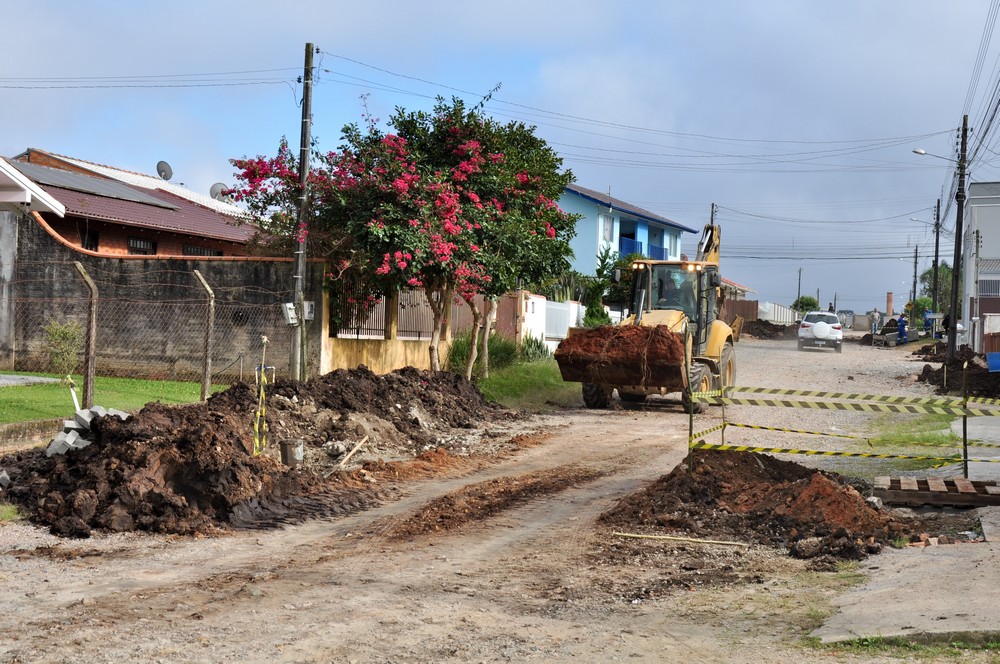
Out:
{"x": 55, "y": 177}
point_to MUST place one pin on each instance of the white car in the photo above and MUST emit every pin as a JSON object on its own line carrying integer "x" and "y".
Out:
{"x": 821, "y": 329}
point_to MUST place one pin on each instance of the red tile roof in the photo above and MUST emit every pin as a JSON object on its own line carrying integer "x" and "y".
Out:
{"x": 188, "y": 218}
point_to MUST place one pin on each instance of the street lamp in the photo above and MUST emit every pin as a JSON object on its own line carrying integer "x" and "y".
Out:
{"x": 959, "y": 213}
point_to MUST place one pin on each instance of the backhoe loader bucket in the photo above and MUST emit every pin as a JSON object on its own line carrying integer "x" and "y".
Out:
{"x": 624, "y": 355}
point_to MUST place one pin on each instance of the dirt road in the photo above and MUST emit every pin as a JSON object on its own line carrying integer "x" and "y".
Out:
{"x": 410, "y": 581}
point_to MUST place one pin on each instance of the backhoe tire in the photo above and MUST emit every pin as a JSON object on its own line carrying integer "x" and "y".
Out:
{"x": 596, "y": 396}
{"x": 701, "y": 381}
{"x": 727, "y": 366}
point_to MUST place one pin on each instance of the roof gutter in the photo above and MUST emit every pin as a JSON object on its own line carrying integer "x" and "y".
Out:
{"x": 17, "y": 193}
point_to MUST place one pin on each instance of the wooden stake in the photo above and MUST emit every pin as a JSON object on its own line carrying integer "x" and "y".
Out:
{"x": 351, "y": 453}
{"x": 682, "y": 539}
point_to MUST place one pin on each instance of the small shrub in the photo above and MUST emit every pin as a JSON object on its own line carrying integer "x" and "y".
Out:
{"x": 63, "y": 343}
{"x": 533, "y": 349}
{"x": 503, "y": 352}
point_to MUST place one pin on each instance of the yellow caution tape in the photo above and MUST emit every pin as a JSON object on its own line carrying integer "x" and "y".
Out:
{"x": 783, "y": 450}
{"x": 863, "y": 407}
{"x": 809, "y": 433}
{"x": 696, "y": 436}
{"x": 930, "y": 401}
{"x": 260, "y": 417}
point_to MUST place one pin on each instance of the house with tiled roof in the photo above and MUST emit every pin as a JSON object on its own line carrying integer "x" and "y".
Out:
{"x": 113, "y": 211}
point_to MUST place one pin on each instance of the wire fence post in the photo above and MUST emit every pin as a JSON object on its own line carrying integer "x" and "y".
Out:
{"x": 206, "y": 379}
{"x": 90, "y": 340}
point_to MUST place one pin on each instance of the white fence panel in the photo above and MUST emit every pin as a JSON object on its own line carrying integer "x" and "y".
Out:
{"x": 777, "y": 313}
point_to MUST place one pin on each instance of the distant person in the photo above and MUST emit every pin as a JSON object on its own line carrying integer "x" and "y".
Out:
{"x": 901, "y": 337}
{"x": 829, "y": 307}
{"x": 876, "y": 319}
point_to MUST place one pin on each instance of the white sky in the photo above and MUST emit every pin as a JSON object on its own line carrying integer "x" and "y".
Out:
{"x": 797, "y": 118}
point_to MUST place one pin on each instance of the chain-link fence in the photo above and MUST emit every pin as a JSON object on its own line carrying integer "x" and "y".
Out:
{"x": 150, "y": 323}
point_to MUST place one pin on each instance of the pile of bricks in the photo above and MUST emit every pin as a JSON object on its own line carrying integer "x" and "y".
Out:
{"x": 76, "y": 432}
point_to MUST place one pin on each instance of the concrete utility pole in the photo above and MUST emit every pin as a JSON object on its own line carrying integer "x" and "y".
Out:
{"x": 297, "y": 361}
{"x": 956, "y": 275}
{"x": 913, "y": 294}
{"x": 798, "y": 294}
{"x": 937, "y": 238}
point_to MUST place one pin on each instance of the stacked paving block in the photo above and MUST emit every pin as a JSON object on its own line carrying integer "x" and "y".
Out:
{"x": 76, "y": 432}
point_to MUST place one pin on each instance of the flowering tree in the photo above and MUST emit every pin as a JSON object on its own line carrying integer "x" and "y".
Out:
{"x": 451, "y": 203}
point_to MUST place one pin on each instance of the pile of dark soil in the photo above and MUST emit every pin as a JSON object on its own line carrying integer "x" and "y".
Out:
{"x": 190, "y": 469}
{"x": 967, "y": 368}
{"x": 763, "y": 329}
{"x": 756, "y": 498}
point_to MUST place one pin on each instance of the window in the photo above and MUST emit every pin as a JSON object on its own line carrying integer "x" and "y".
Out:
{"x": 191, "y": 250}
{"x": 608, "y": 226}
{"x": 141, "y": 246}
{"x": 88, "y": 240}
{"x": 989, "y": 287}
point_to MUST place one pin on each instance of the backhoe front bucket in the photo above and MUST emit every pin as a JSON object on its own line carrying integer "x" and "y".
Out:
{"x": 624, "y": 355}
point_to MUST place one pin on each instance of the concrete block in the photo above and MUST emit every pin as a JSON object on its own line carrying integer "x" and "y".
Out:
{"x": 58, "y": 445}
{"x": 4, "y": 479}
{"x": 79, "y": 443}
{"x": 99, "y": 411}
{"x": 120, "y": 414}
{"x": 73, "y": 425}
{"x": 83, "y": 417}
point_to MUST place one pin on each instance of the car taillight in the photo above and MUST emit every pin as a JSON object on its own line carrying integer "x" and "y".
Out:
{"x": 805, "y": 326}
{"x": 837, "y": 326}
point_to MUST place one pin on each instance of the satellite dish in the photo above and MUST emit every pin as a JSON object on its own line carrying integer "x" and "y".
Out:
{"x": 218, "y": 191}
{"x": 163, "y": 170}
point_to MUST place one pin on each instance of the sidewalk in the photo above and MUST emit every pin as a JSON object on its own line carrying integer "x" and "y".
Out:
{"x": 935, "y": 593}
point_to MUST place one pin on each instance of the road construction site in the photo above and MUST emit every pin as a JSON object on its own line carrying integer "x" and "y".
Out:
{"x": 424, "y": 524}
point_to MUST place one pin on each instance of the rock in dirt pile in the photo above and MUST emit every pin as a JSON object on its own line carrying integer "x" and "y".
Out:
{"x": 190, "y": 469}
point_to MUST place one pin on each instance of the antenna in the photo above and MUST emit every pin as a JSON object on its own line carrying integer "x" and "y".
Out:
{"x": 218, "y": 191}
{"x": 163, "y": 170}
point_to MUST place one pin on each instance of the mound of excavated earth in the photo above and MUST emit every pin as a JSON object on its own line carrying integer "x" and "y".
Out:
{"x": 756, "y": 498}
{"x": 190, "y": 469}
{"x": 763, "y": 329}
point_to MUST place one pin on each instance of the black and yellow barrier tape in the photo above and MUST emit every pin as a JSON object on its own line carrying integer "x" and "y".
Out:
{"x": 696, "y": 436}
{"x": 809, "y": 433}
{"x": 930, "y": 401}
{"x": 863, "y": 407}
{"x": 872, "y": 455}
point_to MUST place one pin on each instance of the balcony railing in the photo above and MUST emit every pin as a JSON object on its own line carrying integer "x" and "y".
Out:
{"x": 628, "y": 246}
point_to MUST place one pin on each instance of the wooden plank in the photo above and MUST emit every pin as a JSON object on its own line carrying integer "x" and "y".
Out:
{"x": 937, "y": 484}
{"x": 883, "y": 482}
{"x": 908, "y": 483}
{"x": 963, "y": 485}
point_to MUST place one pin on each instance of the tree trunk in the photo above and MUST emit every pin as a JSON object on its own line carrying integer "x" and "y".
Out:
{"x": 477, "y": 323}
{"x": 489, "y": 318}
{"x": 438, "y": 299}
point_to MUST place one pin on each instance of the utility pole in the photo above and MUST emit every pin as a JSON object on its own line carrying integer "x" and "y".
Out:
{"x": 956, "y": 275}
{"x": 913, "y": 293}
{"x": 798, "y": 295}
{"x": 297, "y": 361}
{"x": 937, "y": 237}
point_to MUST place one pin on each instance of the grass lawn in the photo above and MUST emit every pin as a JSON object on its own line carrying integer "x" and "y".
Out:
{"x": 52, "y": 400}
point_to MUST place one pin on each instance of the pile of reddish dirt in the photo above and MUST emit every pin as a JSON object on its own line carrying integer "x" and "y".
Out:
{"x": 756, "y": 498}
{"x": 624, "y": 343}
{"x": 622, "y": 355}
{"x": 763, "y": 329}
{"x": 190, "y": 469}
{"x": 968, "y": 368}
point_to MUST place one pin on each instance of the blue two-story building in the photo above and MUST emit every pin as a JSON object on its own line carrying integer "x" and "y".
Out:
{"x": 626, "y": 228}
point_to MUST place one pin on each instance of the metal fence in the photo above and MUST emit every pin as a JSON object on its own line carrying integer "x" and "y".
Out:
{"x": 155, "y": 326}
